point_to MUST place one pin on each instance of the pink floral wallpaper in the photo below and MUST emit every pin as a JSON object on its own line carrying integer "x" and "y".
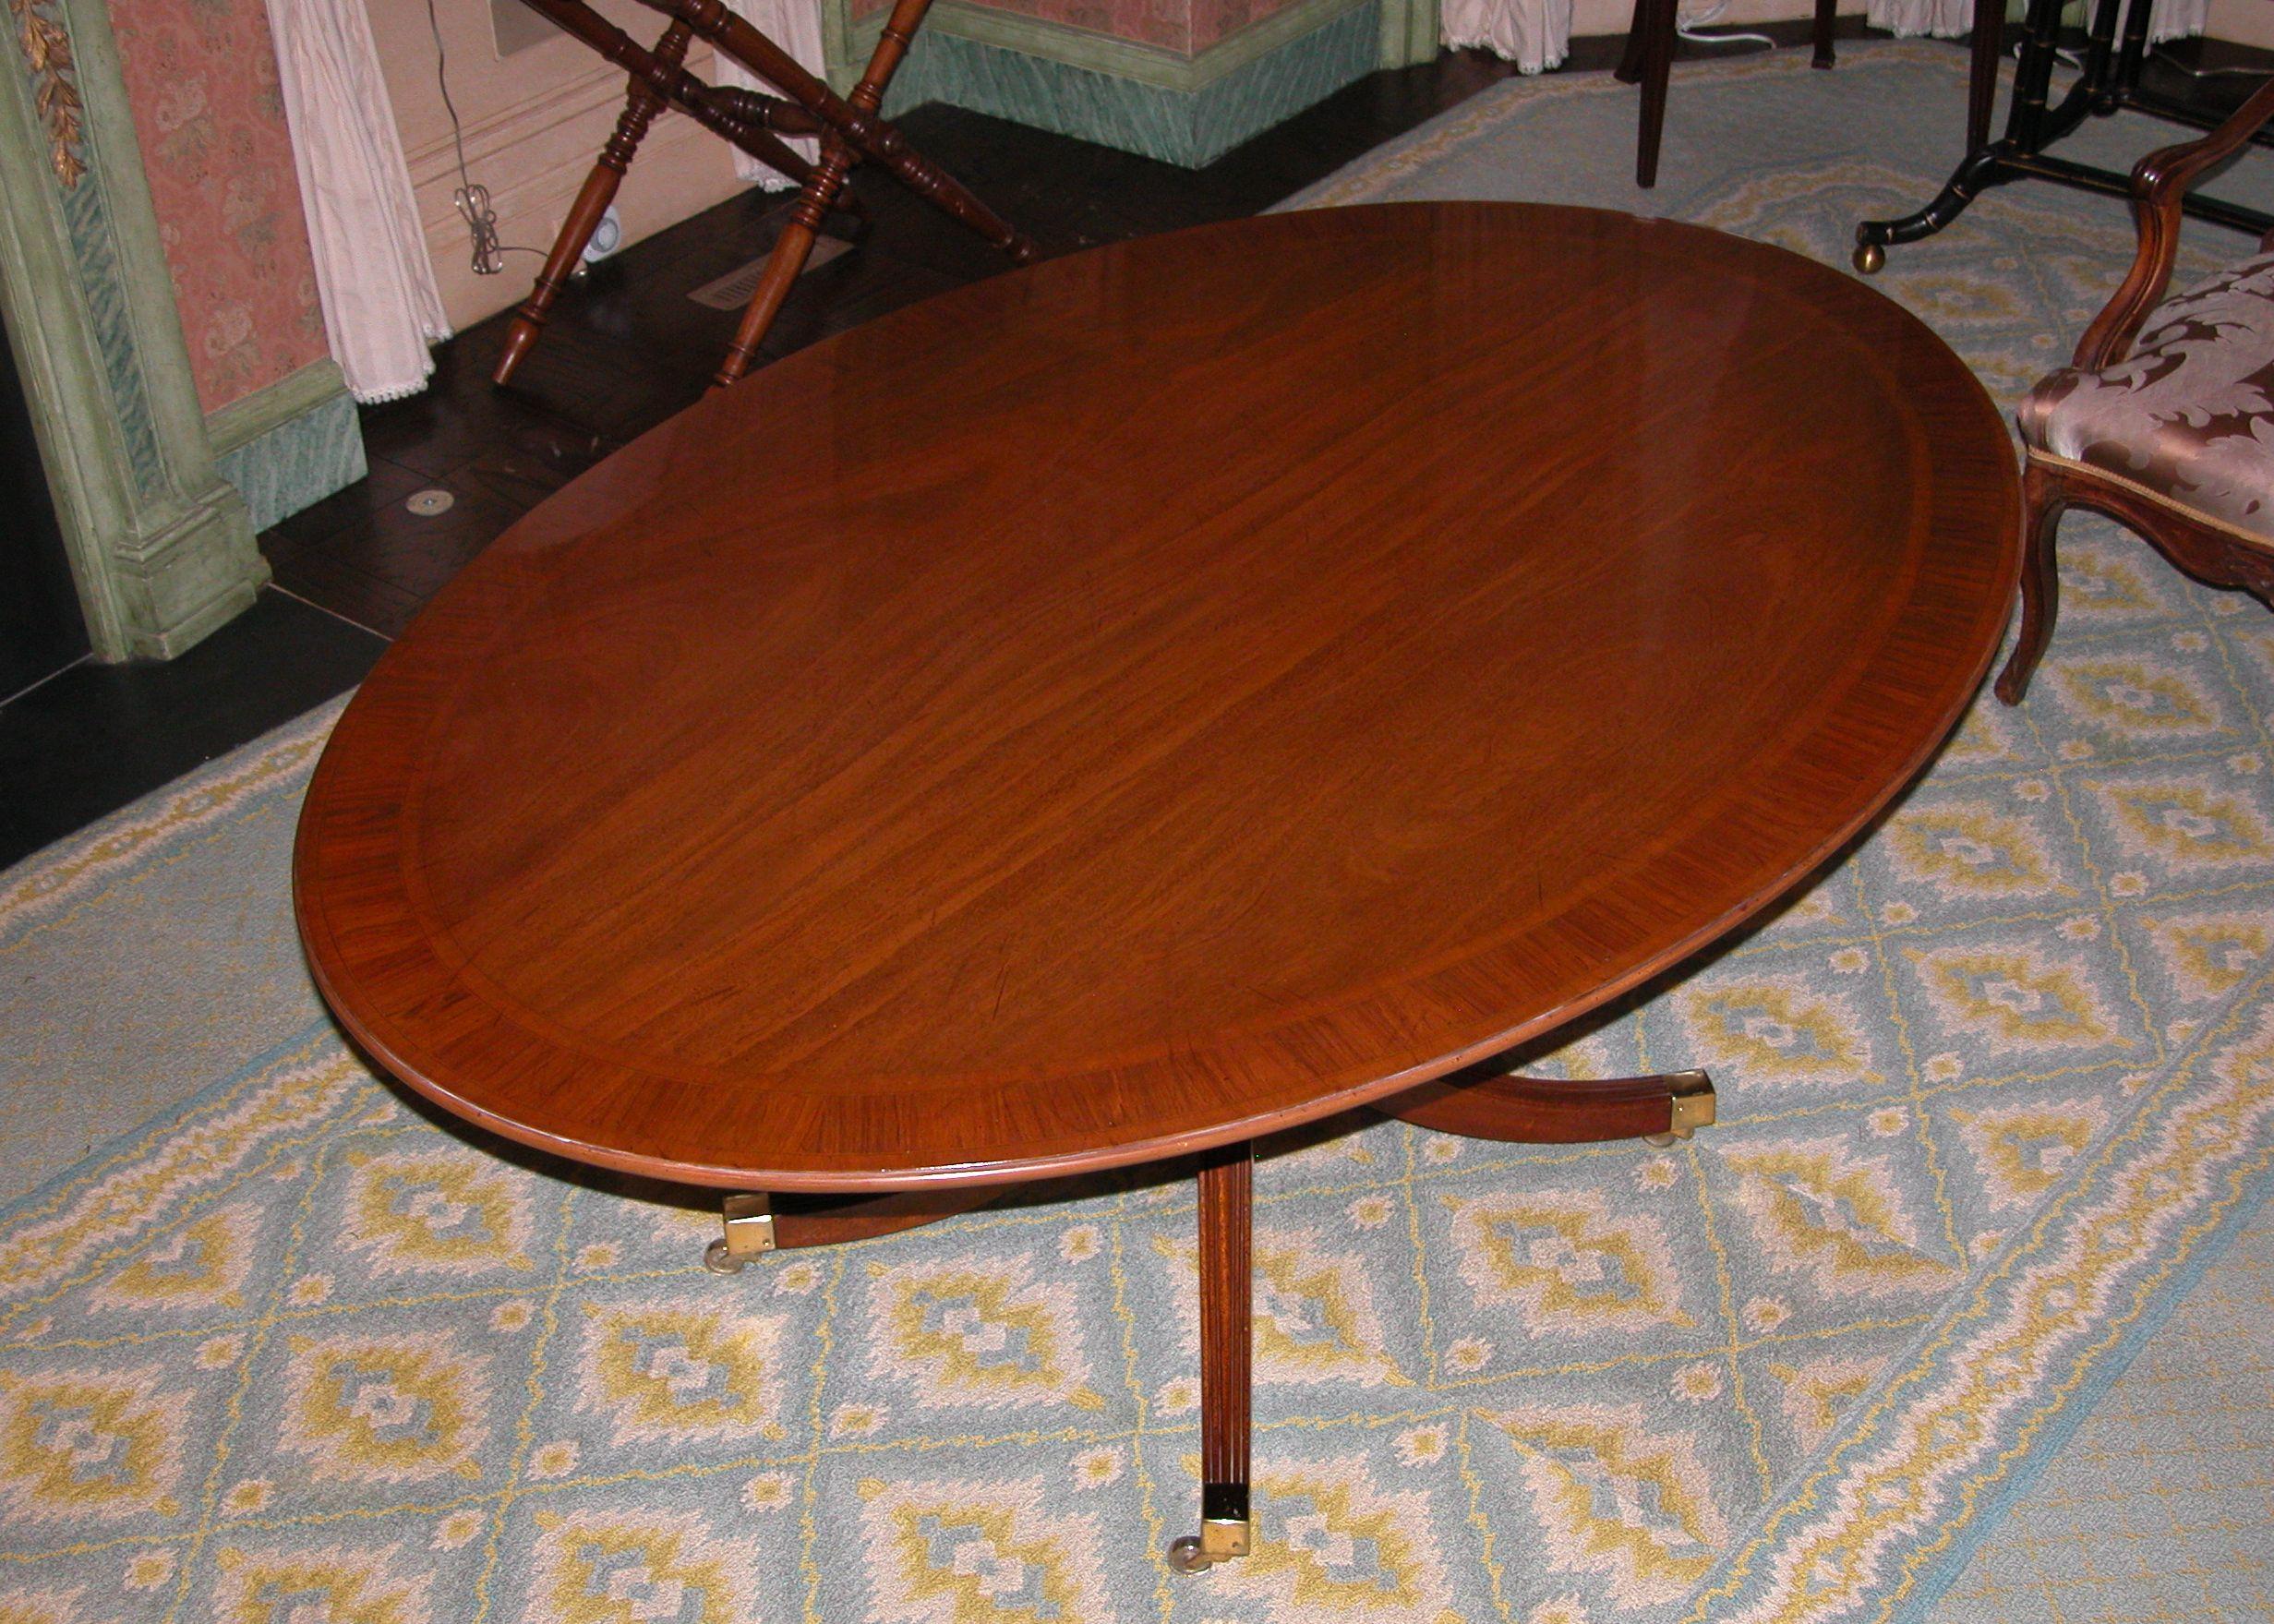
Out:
{"x": 202, "y": 76}
{"x": 1188, "y": 26}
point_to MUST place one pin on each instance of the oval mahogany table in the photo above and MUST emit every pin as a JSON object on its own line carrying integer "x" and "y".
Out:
{"x": 1124, "y": 707}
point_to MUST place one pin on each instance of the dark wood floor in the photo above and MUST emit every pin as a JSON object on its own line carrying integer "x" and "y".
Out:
{"x": 623, "y": 352}
{"x": 630, "y": 348}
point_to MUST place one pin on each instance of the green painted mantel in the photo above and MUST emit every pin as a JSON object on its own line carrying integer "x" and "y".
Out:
{"x": 160, "y": 546}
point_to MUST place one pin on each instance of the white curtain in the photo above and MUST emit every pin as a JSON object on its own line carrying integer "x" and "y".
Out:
{"x": 2175, "y": 19}
{"x": 382, "y": 308}
{"x": 1906, "y": 18}
{"x": 795, "y": 26}
{"x": 1534, "y": 34}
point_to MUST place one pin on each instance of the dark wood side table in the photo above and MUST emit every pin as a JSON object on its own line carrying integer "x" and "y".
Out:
{"x": 2111, "y": 82}
{"x": 1159, "y": 697}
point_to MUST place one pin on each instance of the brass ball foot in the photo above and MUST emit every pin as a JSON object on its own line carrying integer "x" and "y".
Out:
{"x": 1185, "y": 1556}
{"x": 1869, "y": 257}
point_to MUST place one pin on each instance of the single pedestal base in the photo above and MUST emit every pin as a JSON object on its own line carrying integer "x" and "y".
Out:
{"x": 1509, "y": 1109}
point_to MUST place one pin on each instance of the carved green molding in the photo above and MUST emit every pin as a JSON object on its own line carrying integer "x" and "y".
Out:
{"x": 160, "y": 547}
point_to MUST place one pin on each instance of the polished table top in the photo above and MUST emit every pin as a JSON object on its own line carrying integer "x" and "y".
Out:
{"x": 1171, "y": 692}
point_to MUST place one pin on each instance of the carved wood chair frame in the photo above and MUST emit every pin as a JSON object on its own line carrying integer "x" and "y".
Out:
{"x": 2197, "y": 544}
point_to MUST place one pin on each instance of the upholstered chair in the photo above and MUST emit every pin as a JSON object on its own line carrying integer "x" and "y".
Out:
{"x": 2165, "y": 419}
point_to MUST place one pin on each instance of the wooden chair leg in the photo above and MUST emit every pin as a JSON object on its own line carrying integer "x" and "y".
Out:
{"x": 2043, "y": 502}
{"x": 1825, "y": 16}
{"x": 1657, "y": 64}
{"x": 1629, "y": 69}
{"x": 1227, "y": 1182}
{"x": 1982, "y": 77}
{"x": 640, "y": 105}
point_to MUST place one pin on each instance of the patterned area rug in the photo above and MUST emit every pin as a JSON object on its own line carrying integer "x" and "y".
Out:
{"x": 1992, "y": 1090}
{"x": 2161, "y": 1506}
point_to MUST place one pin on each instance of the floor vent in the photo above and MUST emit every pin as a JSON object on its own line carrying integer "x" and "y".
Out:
{"x": 732, "y": 291}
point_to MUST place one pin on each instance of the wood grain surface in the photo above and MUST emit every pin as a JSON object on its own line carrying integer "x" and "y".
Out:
{"x": 1159, "y": 696}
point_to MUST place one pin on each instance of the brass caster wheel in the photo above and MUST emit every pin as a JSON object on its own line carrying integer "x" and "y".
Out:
{"x": 748, "y": 1223}
{"x": 1186, "y": 1557}
{"x": 1869, "y": 257}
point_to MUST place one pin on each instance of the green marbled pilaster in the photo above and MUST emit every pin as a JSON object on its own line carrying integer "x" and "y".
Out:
{"x": 160, "y": 547}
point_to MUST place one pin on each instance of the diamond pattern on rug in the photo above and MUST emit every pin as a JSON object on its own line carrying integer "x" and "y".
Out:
{"x": 1991, "y": 1089}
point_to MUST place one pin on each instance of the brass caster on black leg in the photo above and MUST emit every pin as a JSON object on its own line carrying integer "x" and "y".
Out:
{"x": 1868, "y": 258}
{"x": 750, "y": 1233}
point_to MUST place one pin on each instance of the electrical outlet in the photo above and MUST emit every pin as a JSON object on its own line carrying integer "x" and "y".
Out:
{"x": 607, "y": 237}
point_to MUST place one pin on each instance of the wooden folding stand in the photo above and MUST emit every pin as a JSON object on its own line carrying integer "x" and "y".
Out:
{"x": 849, "y": 129}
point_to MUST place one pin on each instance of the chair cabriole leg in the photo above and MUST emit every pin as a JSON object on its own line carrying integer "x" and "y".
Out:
{"x": 2042, "y": 505}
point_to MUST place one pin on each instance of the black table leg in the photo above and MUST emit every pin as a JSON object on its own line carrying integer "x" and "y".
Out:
{"x": 1984, "y": 165}
{"x": 2110, "y": 82}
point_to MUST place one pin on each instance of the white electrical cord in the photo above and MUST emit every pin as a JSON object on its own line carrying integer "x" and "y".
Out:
{"x": 1691, "y": 18}
{"x": 472, "y": 201}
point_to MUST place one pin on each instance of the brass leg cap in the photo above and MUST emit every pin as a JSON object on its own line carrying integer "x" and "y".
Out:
{"x": 1869, "y": 257}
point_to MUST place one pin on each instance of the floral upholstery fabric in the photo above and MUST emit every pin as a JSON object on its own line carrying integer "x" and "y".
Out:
{"x": 2190, "y": 413}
